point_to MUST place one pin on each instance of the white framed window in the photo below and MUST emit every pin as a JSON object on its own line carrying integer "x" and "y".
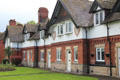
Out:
{"x": 42, "y": 56}
{"x": 69, "y": 27}
{"x": 75, "y": 53}
{"x": 60, "y": 29}
{"x": 24, "y": 52}
{"x": 42, "y": 34}
{"x": 58, "y": 54}
{"x": 100, "y": 55}
{"x": 99, "y": 17}
{"x": 31, "y": 55}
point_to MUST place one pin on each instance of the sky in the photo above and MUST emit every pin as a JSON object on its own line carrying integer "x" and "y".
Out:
{"x": 22, "y": 10}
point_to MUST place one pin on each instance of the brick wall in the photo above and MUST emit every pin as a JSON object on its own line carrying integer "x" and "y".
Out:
{"x": 2, "y": 52}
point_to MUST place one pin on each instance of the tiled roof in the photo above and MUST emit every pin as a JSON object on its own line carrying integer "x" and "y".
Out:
{"x": 36, "y": 36}
{"x": 15, "y": 33}
{"x": 79, "y": 11}
{"x": 113, "y": 17}
{"x": 2, "y": 36}
{"x": 31, "y": 27}
{"x": 107, "y": 4}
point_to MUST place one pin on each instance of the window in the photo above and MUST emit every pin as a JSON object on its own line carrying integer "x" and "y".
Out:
{"x": 42, "y": 56}
{"x": 42, "y": 34}
{"x": 60, "y": 29}
{"x": 75, "y": 53}
{"x": 24, "y": 52}
{"x": 69, "y": 27}
{"x": 100, "y": 54}
{"x": 31, "y": 55}
{"x": 58, "y": 54}
{"x": 99, "y": 17}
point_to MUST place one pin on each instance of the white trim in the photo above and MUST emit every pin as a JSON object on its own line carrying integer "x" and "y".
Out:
{"x": 58, "y": 54}
{"x": 75, "y": 60}
{"x": 99, "y": 19}
{"x": 100, "y": 60}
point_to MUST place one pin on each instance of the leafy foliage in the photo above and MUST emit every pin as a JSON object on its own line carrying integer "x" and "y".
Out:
{"x": 8, "y": 52}
{"x": 31, "y": 22}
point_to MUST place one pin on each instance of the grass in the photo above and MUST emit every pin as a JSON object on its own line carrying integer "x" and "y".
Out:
{"x": 23, "y": 73}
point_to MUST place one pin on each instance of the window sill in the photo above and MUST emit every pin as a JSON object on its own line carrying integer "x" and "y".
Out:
{"x": 102, "y": 63}
{"x": 100, "y": 60}
{"x": 59, "y": 35}
{"x": 75, "y": 62}
{"x": 42, "y": 60}
{"x": 67, "y": 33}
{"x": 58, "y": 61}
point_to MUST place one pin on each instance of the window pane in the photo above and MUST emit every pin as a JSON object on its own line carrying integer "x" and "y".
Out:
{"x": 57, "y": 54}
{"x": 66, "y": 27}
{"x": 31, "y": 54}
{"x": 101, "y": 17}
{"x": 75, "y": 54}
{"x": 58, "y": 30}
{"x": 61, "y": 29}
{"x": 98, "y": 54}
{"x": 102, "y": 54}
{"x": 42, "y": 55}
{"x": 70, "y": 26}
{"x": 97, "y": 21}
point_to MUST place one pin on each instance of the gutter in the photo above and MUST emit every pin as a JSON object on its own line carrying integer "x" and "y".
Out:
{"x": 45, "y": 54}
{"x": 108, "y": 39}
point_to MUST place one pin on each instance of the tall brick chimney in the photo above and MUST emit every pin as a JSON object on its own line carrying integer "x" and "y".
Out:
{"x": 12, "y": 22}
{"x": 42, "y": 14}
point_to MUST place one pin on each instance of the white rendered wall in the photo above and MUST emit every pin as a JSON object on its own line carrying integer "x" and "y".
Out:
{"x": 101, "y": 30}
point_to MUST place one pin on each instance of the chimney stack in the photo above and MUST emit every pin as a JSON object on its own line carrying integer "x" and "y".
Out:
{"x": 42, "y": 14}
{"x": 12, "y": 22}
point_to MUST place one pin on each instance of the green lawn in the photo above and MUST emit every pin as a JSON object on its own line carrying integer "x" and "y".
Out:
{"x": 23, "y": 73}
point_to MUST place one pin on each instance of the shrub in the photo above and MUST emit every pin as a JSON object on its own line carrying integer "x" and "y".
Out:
{"x": 6, "y": 67}
{"x": 16, "y": 60}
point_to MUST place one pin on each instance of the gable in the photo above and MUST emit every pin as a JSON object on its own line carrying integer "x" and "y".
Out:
{"x": 59, "y": 14}
{"x": 62, "y": 15}
{"x": 95, "y": 7}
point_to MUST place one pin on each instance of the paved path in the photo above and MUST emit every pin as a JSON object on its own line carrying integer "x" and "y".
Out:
{"x": 25, "y": 74}
{"x": 104, "y": 77}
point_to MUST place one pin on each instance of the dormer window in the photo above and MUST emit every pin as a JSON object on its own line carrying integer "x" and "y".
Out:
{"x": 69, "y": 27}
{"x": 42, "y": 34}
{"x": 99, "y": 18}
{"x": 60, "y": 29}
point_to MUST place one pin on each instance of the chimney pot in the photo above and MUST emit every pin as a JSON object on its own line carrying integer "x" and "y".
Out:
{"x": 12, "y": 22}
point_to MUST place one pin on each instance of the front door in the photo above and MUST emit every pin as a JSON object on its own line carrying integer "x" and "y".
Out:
{"x": 68, "y": 52}
{"x": 49, "y": 60}
{"x": 119, "y": 60}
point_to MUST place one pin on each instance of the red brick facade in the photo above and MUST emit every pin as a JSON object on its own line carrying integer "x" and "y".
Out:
{"x": 2, "y": 51}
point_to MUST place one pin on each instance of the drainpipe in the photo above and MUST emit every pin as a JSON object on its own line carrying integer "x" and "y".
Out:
{"x": 44, "y": 54}
{"x": 36, "y": 55}
{"x": 87, "y": 48}
{"x": 108, "y": 39}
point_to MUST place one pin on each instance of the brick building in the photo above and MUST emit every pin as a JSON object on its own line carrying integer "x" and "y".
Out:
{"x": 81, "y": 37}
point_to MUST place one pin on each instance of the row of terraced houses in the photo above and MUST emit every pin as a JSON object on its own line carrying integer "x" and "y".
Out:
{"x": 81, "y": 37}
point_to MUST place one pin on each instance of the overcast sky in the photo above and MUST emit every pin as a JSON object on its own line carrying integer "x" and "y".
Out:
{"x": 22, "y": 10}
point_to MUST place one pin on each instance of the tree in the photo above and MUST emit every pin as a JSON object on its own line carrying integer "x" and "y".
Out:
{"x": 8, "y": 52}
{"x": 31, "y": 22}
